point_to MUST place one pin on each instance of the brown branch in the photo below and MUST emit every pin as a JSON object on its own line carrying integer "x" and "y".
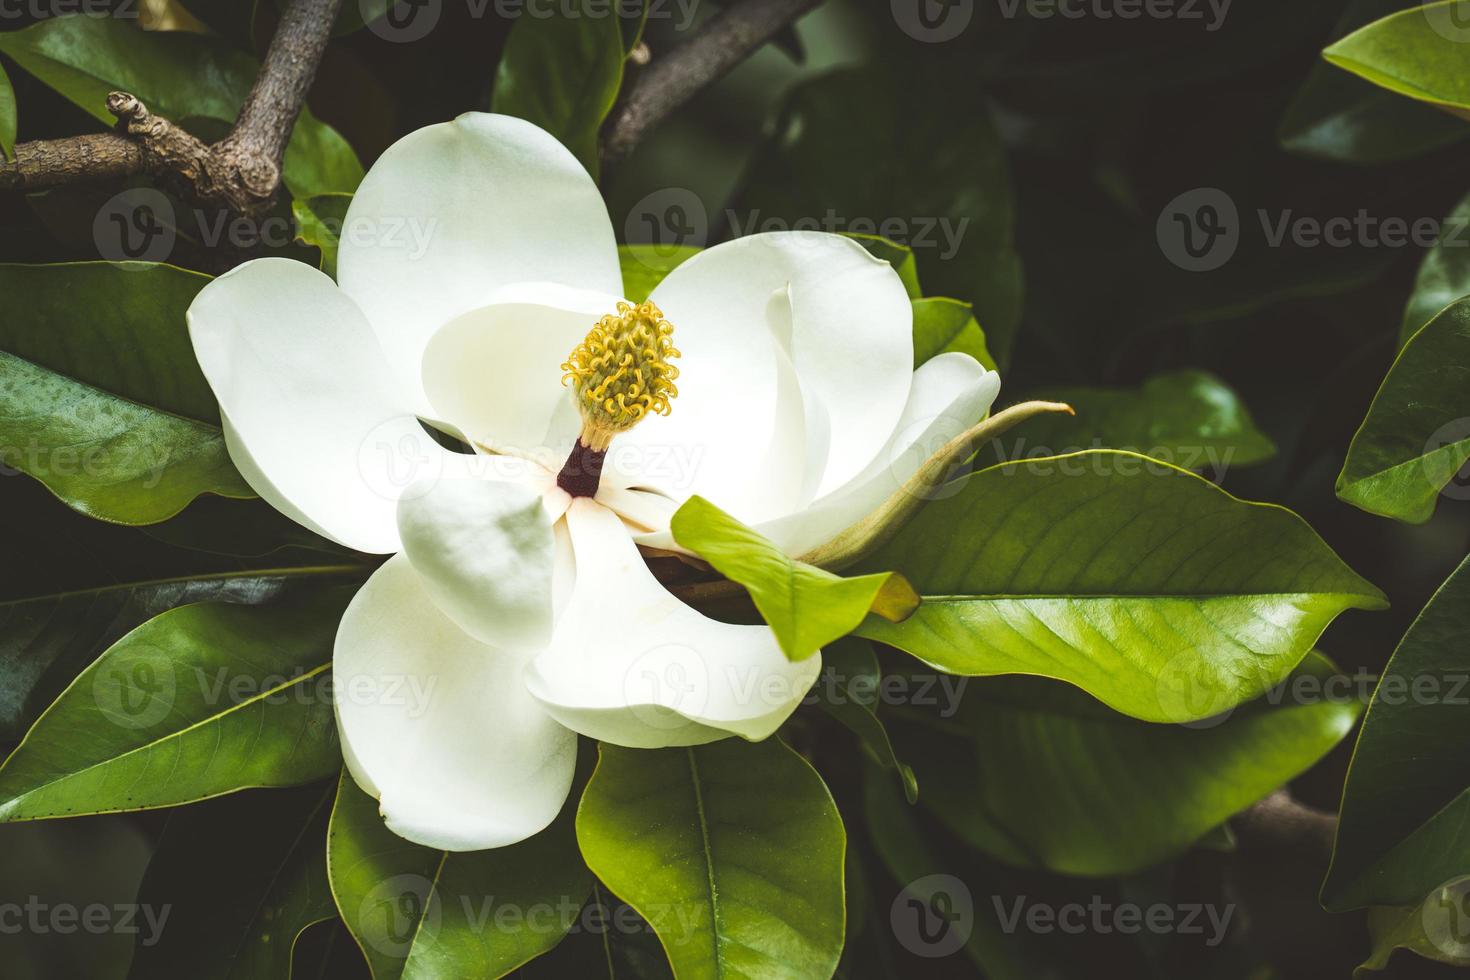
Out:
{"x": 240, "y": 172}
{"x": 668, "y": 82}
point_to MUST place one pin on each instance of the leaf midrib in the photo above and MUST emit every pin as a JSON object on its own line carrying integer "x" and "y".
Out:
{"x": 709, "y": 863}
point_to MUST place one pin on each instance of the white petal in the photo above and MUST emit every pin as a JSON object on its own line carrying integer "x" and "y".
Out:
{"x": 850, "y": 334}
{"x": 483, "y": 551}
{"x": 315, "y": 420}
{"x": 632, "y": 665}
{"x": 737, "y": 433}
{"x": 951, "y": 392}
{"x": 495, "y": 372}
{"x": 439, "y": 727}
{"x": 453, "y": 212}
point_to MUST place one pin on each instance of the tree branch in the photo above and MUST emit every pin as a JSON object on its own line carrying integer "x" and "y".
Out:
{"x": 668, "y": 82}
{"x": 241, "y": 172}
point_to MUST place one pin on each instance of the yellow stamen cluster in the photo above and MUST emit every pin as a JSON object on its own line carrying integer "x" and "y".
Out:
{"x": 621, "y": 372}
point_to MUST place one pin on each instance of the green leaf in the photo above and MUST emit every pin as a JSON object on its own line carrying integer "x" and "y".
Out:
{"x": 118, "y": 326}
{"x": 644, "y": 266}
{"x": 419, "y": 913}
{"x": 848, "y": 691}
{"x": 901, "y": 257}
{"x": 1340, "y": 117}
{"x": 106, "y": 457}
{"x": 8, "y": 117}
{"x": 200, "y": 701}
{"x": 1416, "y": 436}
{"x": 1431, "y": 929}
{"x": 236, "y": 911}
{"x": 850, "y": 144}
{"x": 1055, "y": 780}
{"x": 1444, "y": 273}
{"x": 943, "y": 325}
{"x": 1189, "y": 418}
{"x": 1148, "y": 587}
{"x": 562, "y": 73}
{"x": 1418, "y": 52}
{"x": 732, "y": 850}
{"x": 319, "y": 222}
{"x": 1403, "y": 826}
{"x": 806, "y": 607}
{"x": 177, "y": 75}
{"x": 45, "y": 642}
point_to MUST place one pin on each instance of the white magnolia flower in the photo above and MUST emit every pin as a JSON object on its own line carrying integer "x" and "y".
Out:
{"x": 476, "y": 256}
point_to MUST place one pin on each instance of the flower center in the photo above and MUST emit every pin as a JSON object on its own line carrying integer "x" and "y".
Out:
{"x": 619, "y": 374}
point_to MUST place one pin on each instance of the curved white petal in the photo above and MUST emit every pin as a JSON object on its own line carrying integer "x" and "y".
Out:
{"x": 439, "y": 727}
{"x": 495, "y": 372}
{"x": 632, "y": 665}
{"x": 738, "y": 430}
{"x": 848, "y": 326}
{"x": 951, "y": 392}
{"x": 315, "y": 420}
{"x": 453, "y": 212}
{"x": 483, "y": 550}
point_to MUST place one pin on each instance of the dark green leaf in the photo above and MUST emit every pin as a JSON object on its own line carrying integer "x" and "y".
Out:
{"x": 732, "y": 850}
{"x": 806, "y": 607}
{"x": 1143, "y": 584}
{"x": 849, "y": 145}
{"x": 319, "y": 222}
{"x": 46, "y": 642}
{"x": 1403, "y": 829}
{"x": 563, "y": 72}
{"x": 8, "y": 117}
{"x": 106, "y": 457}
{"x": 1416, "y": 436}
{"x": 200, "y": 701}
{"x": 237, "y": 900}
{"x": 943, "y": 325}
{"x": 422, "y": 914}
{"x": 901, "y": 257}
{"x": 176, "y": 74}
{"x": 1058, "y": 781}
{"x": 1189, "y": 418}
{"x": 1431, "y": 929}
{"x": 848, "y": 690}
{"x": 1444, "y": 275}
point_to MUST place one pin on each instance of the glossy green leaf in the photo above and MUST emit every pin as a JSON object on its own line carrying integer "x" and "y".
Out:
{"x": 1444, "y": 273}
{"x": 848, "y": 690}
{"x": 732, "y": 850}
{"x": 1416, "y": 436}
{"x": 46, "y": 642}
{"x": 236, "y": 911}
{"x": 806, "y": 607}
{"x": 104, "y": 456}
{"x": 1141, "y": 583}
{"x": 1189, "y": 418}
{"x": 423, "y": 914}
{"x": 850, "y": 146}
{"x": 562, "y": 72}
{"x": 1404, "y": 827}
{"x": 1053, "y": 779}
{"x": 8, "y": 117}
{"x": 118, "y": 326}
{"x": 177, "y": 75}
{"x": 1433, "y": 930}
{"x": 943, "y": 325}
{"x": 1337, "y": 116}
{"x": 1418, "y": 52}
{"x": 319, "y": 222}
{"x": 644, "y": 266}
{"x": 901, "y": 257}
{"x": 200, "y": 701}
